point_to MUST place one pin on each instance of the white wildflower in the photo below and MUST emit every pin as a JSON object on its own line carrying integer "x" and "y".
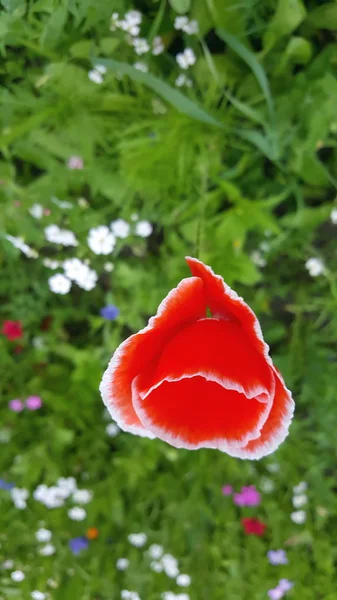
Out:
{"x": 19, "y": 497}
{"x": 140, "y": 45}
{"x": 156, "y": 566}
{"x": 122, "y": 564}
{"x": 186, "y": 59}
{"x": 170, "y": 565}
{"x": 155, "y": 551}
{"x": 17, "y": 576}
{"x": 140, "y": 66}
{"x": 257, "y": 259}
{"x": 82, "y": 496}
{"x": 112, "y": 429}
{"x": 184, "y": 24}
{"x": 101, "y": 240}
{"x": 101, "y": 69}
{"x": 299, "y": 500}
{"x": 59, "y": 284}
{"x": 47, "y": 550}
{"x": 183, "y": 580}
{"x": 333, "y": 216}
{"x": 36, "y": 595}
{"x": 137, "y": 539}
{"x": 298, "y": 517}
{"x": 168, "y": 596}
{"x": 19, "y": 243}
{"x": 127, "y": 595}
{"x": 133, "y": 16}
{"x": 267, "y": 485}
{"x": 273, "y": 467}
{"x": 52, "y": 496}
{"x": 143, "y": 229}
{"x": 36, "y": 211}
{"x": 73, "y": 268}
{"x": 43, "y": 535}
{"x": 8, "y": 564}
{"x": 300, "y": 488}
{"x": 180, "y": 22}
{"x": 67, "y": 484}
{"x": 183, "y": 80}
{"x": 315, "y": 266}
{"x": 109, "y": 267}
{"x": 114, "y": 21}
{"x": 77, "y": 513}
{"x": 87, "y": 279}
{"x": 50, "y": 263}
{"x": 61, "y": 203}
{"x": 95, "y": 76}
{"x": 157, "y": 46}
{"x": 60, "y": 236}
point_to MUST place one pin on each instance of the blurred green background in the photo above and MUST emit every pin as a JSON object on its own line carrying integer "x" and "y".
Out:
{"x": 204, "y": 126}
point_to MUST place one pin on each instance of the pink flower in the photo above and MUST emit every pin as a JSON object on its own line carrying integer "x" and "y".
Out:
{"x": 16, "y": 405}
{"x": 227, "y": 490}
{"x": 75, "y": 162}
{"x": 249, "y": 496}
{"x": 12, "y": 330}
{"x": 33, "y": 402}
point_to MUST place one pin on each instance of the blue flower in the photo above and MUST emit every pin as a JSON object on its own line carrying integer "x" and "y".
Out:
{"x": 78, "y": 544}
{"x": 109, "y": 312}
{"x": 4, "y": 485}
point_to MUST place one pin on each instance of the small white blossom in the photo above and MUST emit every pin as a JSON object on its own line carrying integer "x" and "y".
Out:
{"x": 8, "y": 564}
{"x": 155, "y": 551}
{"x": 170, "y": 565}
{"x": 184, "y": 24}
{"x": 112, "y": 429}
{"x": 300, "y": 488}
{"x": 73, "y": 267}
{"x": 267, "y": 486}
{"x": 186, "y": 59}
{"x": 43, "y": 535}
{"x": 140, "y": 66}
{"x": 183, "y": 580}
{"x": 19, "y": 497}
{"x": 137, "y": 539}
{"x": 88, "y": 279}
{"x": 19, "y": 243}
{"x": 36, "y": 595}
{"x": 333, "y": 216}
{"x": 52, "y": 497}
{"x": 140, "y": 45}
{"x": 120, "y": 228}
{"x": 180, "y": 22}
{"x": 298, "y": 517}
{"x": 114, "y": 22}
{"x": 82, "y": 496}
{"x": 168, "y": 596}
{"x": 133, "y": 16}
{"x": 59, "y": 284}
{"x": 77, "y": 513}
{"x": 122, "y": 564}
{"x": 51, "y": 264}
{"x": 183, "y": 80}
{"x": 56, "y": 235}
{"x": 101, "y": 69}
{"x": 157, "y": 46}
{"x": 273, "y": 467}
{"x": 95, "y": 76}
{"x": 127, "y": 595}
{"x": 129, "y": 27}
{"x": 36, "y": 211}
{"x": 257, "y": 259}
{"x": 108, "y": 267}
{"x": 143, "y": 229}
{"x": 156, "y": 566}
{"x": 68, "y": 485}
{"x": 101, "y": 240}
{"x": 299, "y": 500}
{"x": 61, "y": 203}
{"x": 47, "y": 550}
{"x": 17, "y": 576}
{"x": 52, "y": 583}
{"x": 83, "y": 203}
{"x": 315, "y": 266}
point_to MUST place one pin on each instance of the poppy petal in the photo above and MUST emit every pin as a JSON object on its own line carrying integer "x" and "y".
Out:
{"x": 225, "y": 303}
{"x": 220, "y": 351}
{"x": 182, "y": 306}
{"x": 275, "y": 429}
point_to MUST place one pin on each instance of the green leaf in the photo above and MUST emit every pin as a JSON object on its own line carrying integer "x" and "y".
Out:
{"x": 289, "y": 14}
{"x": 324, "y": 17}
{"x": 180, "y": 6}
{"x": 54, "y": 28}
{"x": 251, "y": 60}
{"x": 174, "y": 97}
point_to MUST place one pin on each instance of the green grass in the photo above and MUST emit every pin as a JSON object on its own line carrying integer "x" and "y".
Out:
{"x": 243, "y": 161}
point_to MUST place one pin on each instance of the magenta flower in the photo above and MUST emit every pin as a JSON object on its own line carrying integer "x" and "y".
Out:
{"x": 227, "y": 490}
{"x": 249, "y": 496}
{"x": 16, "y": 405}
{"x": 75, "y": 162}
{"x": 33, "y": 402}
{"x": 277, "y": 557}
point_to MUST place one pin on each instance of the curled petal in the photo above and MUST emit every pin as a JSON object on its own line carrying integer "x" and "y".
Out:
{"x": 183, "y": 305}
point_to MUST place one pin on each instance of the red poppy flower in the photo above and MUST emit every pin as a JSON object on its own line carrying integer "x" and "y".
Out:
{"x": 199, "y": 382}
{"x": 253, "y": 526}
{"x": 12, "y": 330}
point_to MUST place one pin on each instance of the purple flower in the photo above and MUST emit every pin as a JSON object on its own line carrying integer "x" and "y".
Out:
{"x": 16, "y": 405}
{"x": 275, "y": 594}
{"x": 285, "y": 585}
{"x": 4, "y": 485}
{"x": 33, "y": 402}
{"x": 227, "y": 490}
{"x": 249, "y": 496}
{"x": 78, "y": 544}
{"x": 109, "y": 312}
{"x": 277, "y": 557}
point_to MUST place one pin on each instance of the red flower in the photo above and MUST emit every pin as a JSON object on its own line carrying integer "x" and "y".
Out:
{"x": 253, "y": 526}
{"x": 12, "y": 330}
{"x": 196, "y": 382}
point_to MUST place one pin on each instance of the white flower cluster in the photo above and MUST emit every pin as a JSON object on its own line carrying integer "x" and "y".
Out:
{"x": 96, "y": 74}
{"x": 19, "y": 243}
{"x": 140, "y": 66}
{"x": 184, "y": 24}
{"x": 36, "y": 595}
{"x": 128, "y": 595}
{"x": 36, "y": 210}
{"x": 299, "y": 500}
{"x": 257, "y": 259}
{"x": 44, "y": 536}
{"x": 186, "y": 59}
{"x": 55, "y": 496}
{"x": 56, "y": 235}
{"x": 122, "y": 564}
{"x": 137, "y": 539}
{"x": 19, "y": 497}
{"x": 333, "y": 216}
{"x": 182, "y": 80}
{"x": 101, "y": 240}
{"x": 168, "y": 564}
{"x": 112, "y": 429}
{"x": 315, "y": 266}
{"x": 131, "y": 24}
{"x": 74, "y": 270}
{"x": 172, "y": 596}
